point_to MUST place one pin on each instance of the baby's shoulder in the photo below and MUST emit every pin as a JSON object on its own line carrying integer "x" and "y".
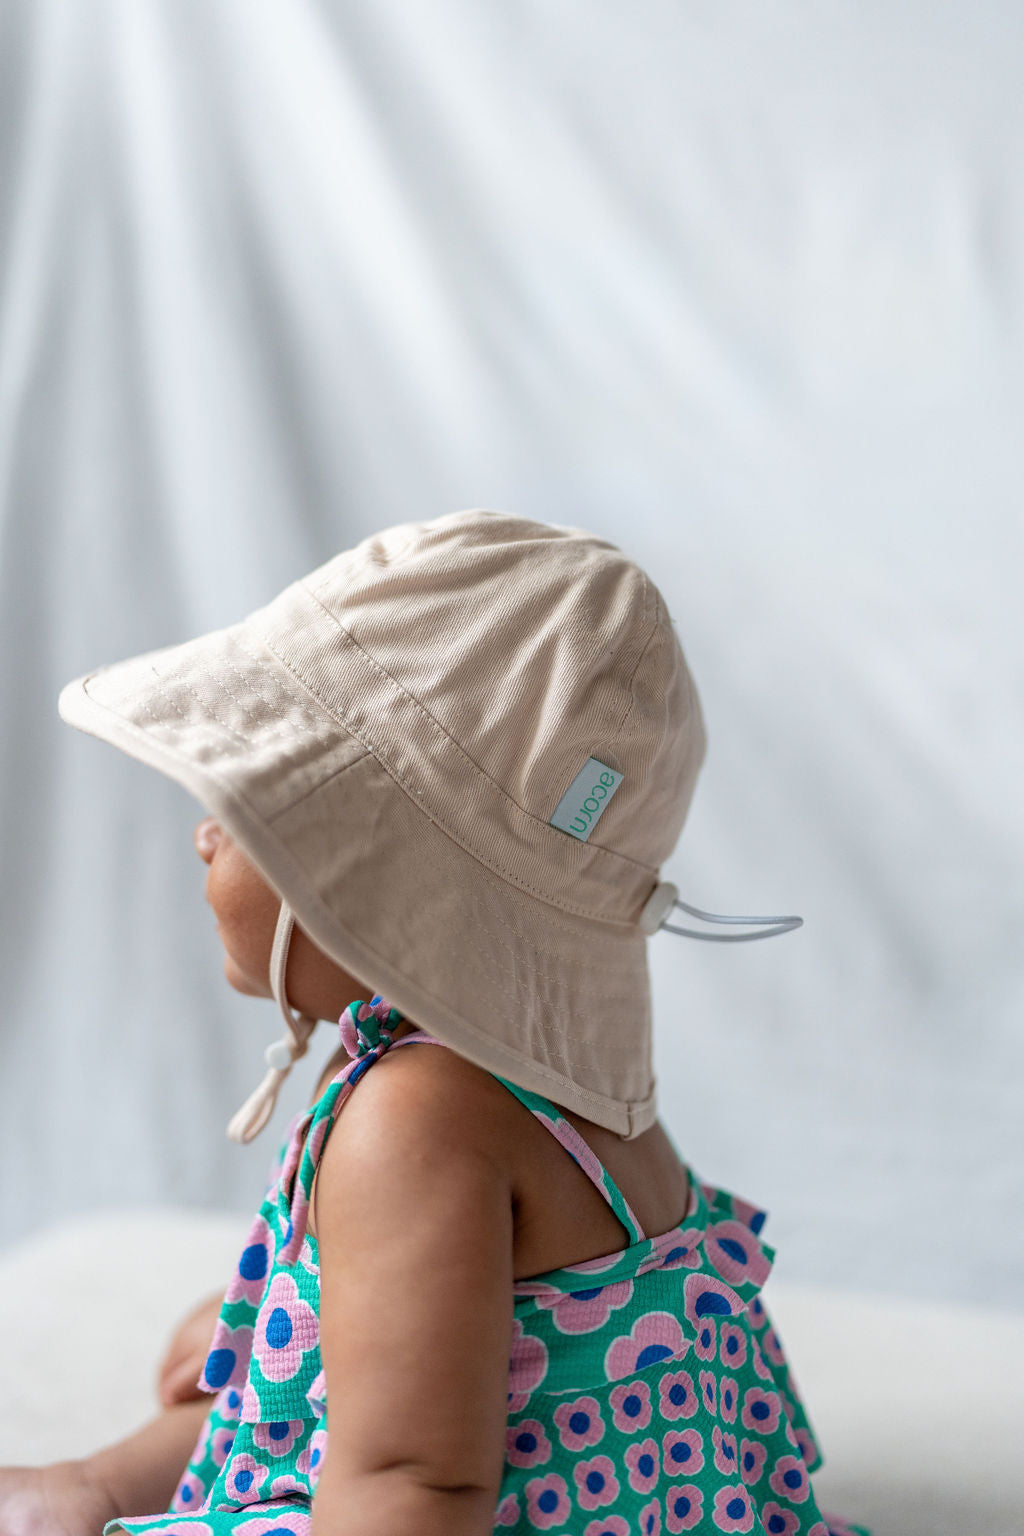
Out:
{"x": 430, "y": 1091}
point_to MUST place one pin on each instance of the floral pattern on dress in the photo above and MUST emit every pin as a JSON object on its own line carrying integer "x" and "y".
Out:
{"x": 648, "y": 1390}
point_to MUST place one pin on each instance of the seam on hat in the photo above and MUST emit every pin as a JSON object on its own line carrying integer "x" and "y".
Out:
{"x": 649, "y": 589}
{"x": 610, "y": 853}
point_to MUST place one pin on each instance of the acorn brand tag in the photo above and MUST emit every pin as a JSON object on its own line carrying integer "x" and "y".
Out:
{"x": 580, "y": 808}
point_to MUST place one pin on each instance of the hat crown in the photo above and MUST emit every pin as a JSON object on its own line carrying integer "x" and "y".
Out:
{"x": 534, "y": 647}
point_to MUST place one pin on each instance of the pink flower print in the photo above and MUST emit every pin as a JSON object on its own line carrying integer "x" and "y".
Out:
{"x": 610, "y": 1525}
{"x": 579, "y": 1423}
{"x": 678, "y": 1249}
{"x": 752, "y": 1459}
{"x": 221, "y": 1443}
{"x": 527, "y": 1367}
{"x": 229, "y": 1403}
{"x": 789, "y": 1480}
{"x": 732, "y": 1346}
{"x": 706, "y": 1343}
{"x": 709, "y": 1391}
{"x": 642, "y": 1461}
{"x": 760, "y": 1411}
{"x": 772, "y": 1346}
{"x": 189, "y": 1495}
{"x": 286, "y": 1484}
{"x": 278, "y": 1436}
{"x": 757, "y": 1314}
{"x": 751, "y": 1216}
{"x": 707, "y": 1297}
{"x": 781, "y": 1522}
{"x": 589, "y": 1266}
{"x": 650, "y": 1519}
{"x": 684, "y": 1505}
{"x": 808, "y": 1449}
{"x": 250, "y": 1404}
{"x": 760, "y": 1363}
{"x": 654, "y": 1336}
{"x": 250, "y": 1278}
{"x": 631, "y": 1406}
{"x": 526, "y": 1444}
{"x": 316, "y": 1397}
{"x": 736, "y": 1253}
{"x": 733, "y": 1510}
{"x": 286, "y": 1329}
{"x": 676, "y": 1396}
{"x": 508, "y": 1511}
{"x": 725, "y": 1451}
{"x": 727, "y": 1398}
{"x": 290, "y": 1522}
{"x": 596, "y": 1483}
{"x": 306, "y": 1258}
{"x": 245, "y": 1474}
{"x": 586, "y": 1310}
{"x": 228, "y": 1360}
{"x": 547, "y": 1501}
{"x": 311, "y": 1461}
{"x": 682, "y": 1452}
{"x": 186, "y": 1528}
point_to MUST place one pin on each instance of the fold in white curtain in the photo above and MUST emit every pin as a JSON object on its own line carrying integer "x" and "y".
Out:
{"x": 737, "y": 288}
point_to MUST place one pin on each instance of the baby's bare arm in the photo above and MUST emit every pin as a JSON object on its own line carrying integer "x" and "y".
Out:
{"x": 414, "y": 1220}
{"x": 137, "y": 1476}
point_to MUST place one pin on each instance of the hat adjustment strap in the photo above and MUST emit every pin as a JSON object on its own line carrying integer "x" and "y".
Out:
{"x": 665, "y": 896}
{"x": 281, "y": 1054}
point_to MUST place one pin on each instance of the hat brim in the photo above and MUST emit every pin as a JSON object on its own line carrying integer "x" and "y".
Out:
{"x": 523, "y": 989}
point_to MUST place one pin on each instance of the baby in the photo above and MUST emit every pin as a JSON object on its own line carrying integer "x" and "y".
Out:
{"x": 441, "y": 774}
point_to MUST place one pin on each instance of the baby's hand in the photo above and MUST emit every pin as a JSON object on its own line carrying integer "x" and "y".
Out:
{"x": 60, "y": 1500}
{"x": 186, "y": 1355}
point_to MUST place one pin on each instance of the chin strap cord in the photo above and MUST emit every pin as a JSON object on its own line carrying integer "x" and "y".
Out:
{"x": 281, "y": 1055}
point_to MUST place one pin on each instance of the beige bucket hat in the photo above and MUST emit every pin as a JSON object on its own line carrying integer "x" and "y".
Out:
{"x": 459, "y": 752}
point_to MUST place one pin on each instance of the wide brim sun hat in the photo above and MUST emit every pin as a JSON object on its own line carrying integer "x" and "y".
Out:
{"x": 459, "y": 752}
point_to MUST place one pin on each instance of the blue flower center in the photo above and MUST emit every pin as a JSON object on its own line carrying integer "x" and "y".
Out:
{"x": 253, "y": 1263}
{"x": 579, "y": 1422}
{"x": 219, "y": 1365}
{"x": 279, "y": 1328}
{"x": 651, "y": 1355}
{"x": 548, "y": 1501}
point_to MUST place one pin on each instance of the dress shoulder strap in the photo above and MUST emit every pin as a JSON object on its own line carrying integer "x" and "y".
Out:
{"x": 566, "y": 1133}
{"x": 366, "y": 1032}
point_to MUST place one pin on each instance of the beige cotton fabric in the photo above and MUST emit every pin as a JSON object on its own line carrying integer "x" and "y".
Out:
{"x": 389, "y": 739}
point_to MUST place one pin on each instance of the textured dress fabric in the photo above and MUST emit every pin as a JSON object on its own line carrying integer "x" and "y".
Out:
{"x": 648, "y": 1391}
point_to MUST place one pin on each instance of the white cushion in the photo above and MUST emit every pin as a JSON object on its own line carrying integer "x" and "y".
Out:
{"x": 919, "y": 1409}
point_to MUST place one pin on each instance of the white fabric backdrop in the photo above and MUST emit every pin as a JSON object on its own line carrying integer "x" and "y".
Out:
{"x": 737, "y": 287}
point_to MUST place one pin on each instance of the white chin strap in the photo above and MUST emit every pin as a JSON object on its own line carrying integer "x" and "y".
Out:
{"x": 281, "y": 1055}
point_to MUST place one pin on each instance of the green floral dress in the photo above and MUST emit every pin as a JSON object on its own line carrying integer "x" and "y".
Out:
{"x": 648, "y": 1391}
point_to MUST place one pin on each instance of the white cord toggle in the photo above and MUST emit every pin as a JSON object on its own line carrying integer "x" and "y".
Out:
{"x": 665, "y": 896}
{"x": 280, "y": 1054}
